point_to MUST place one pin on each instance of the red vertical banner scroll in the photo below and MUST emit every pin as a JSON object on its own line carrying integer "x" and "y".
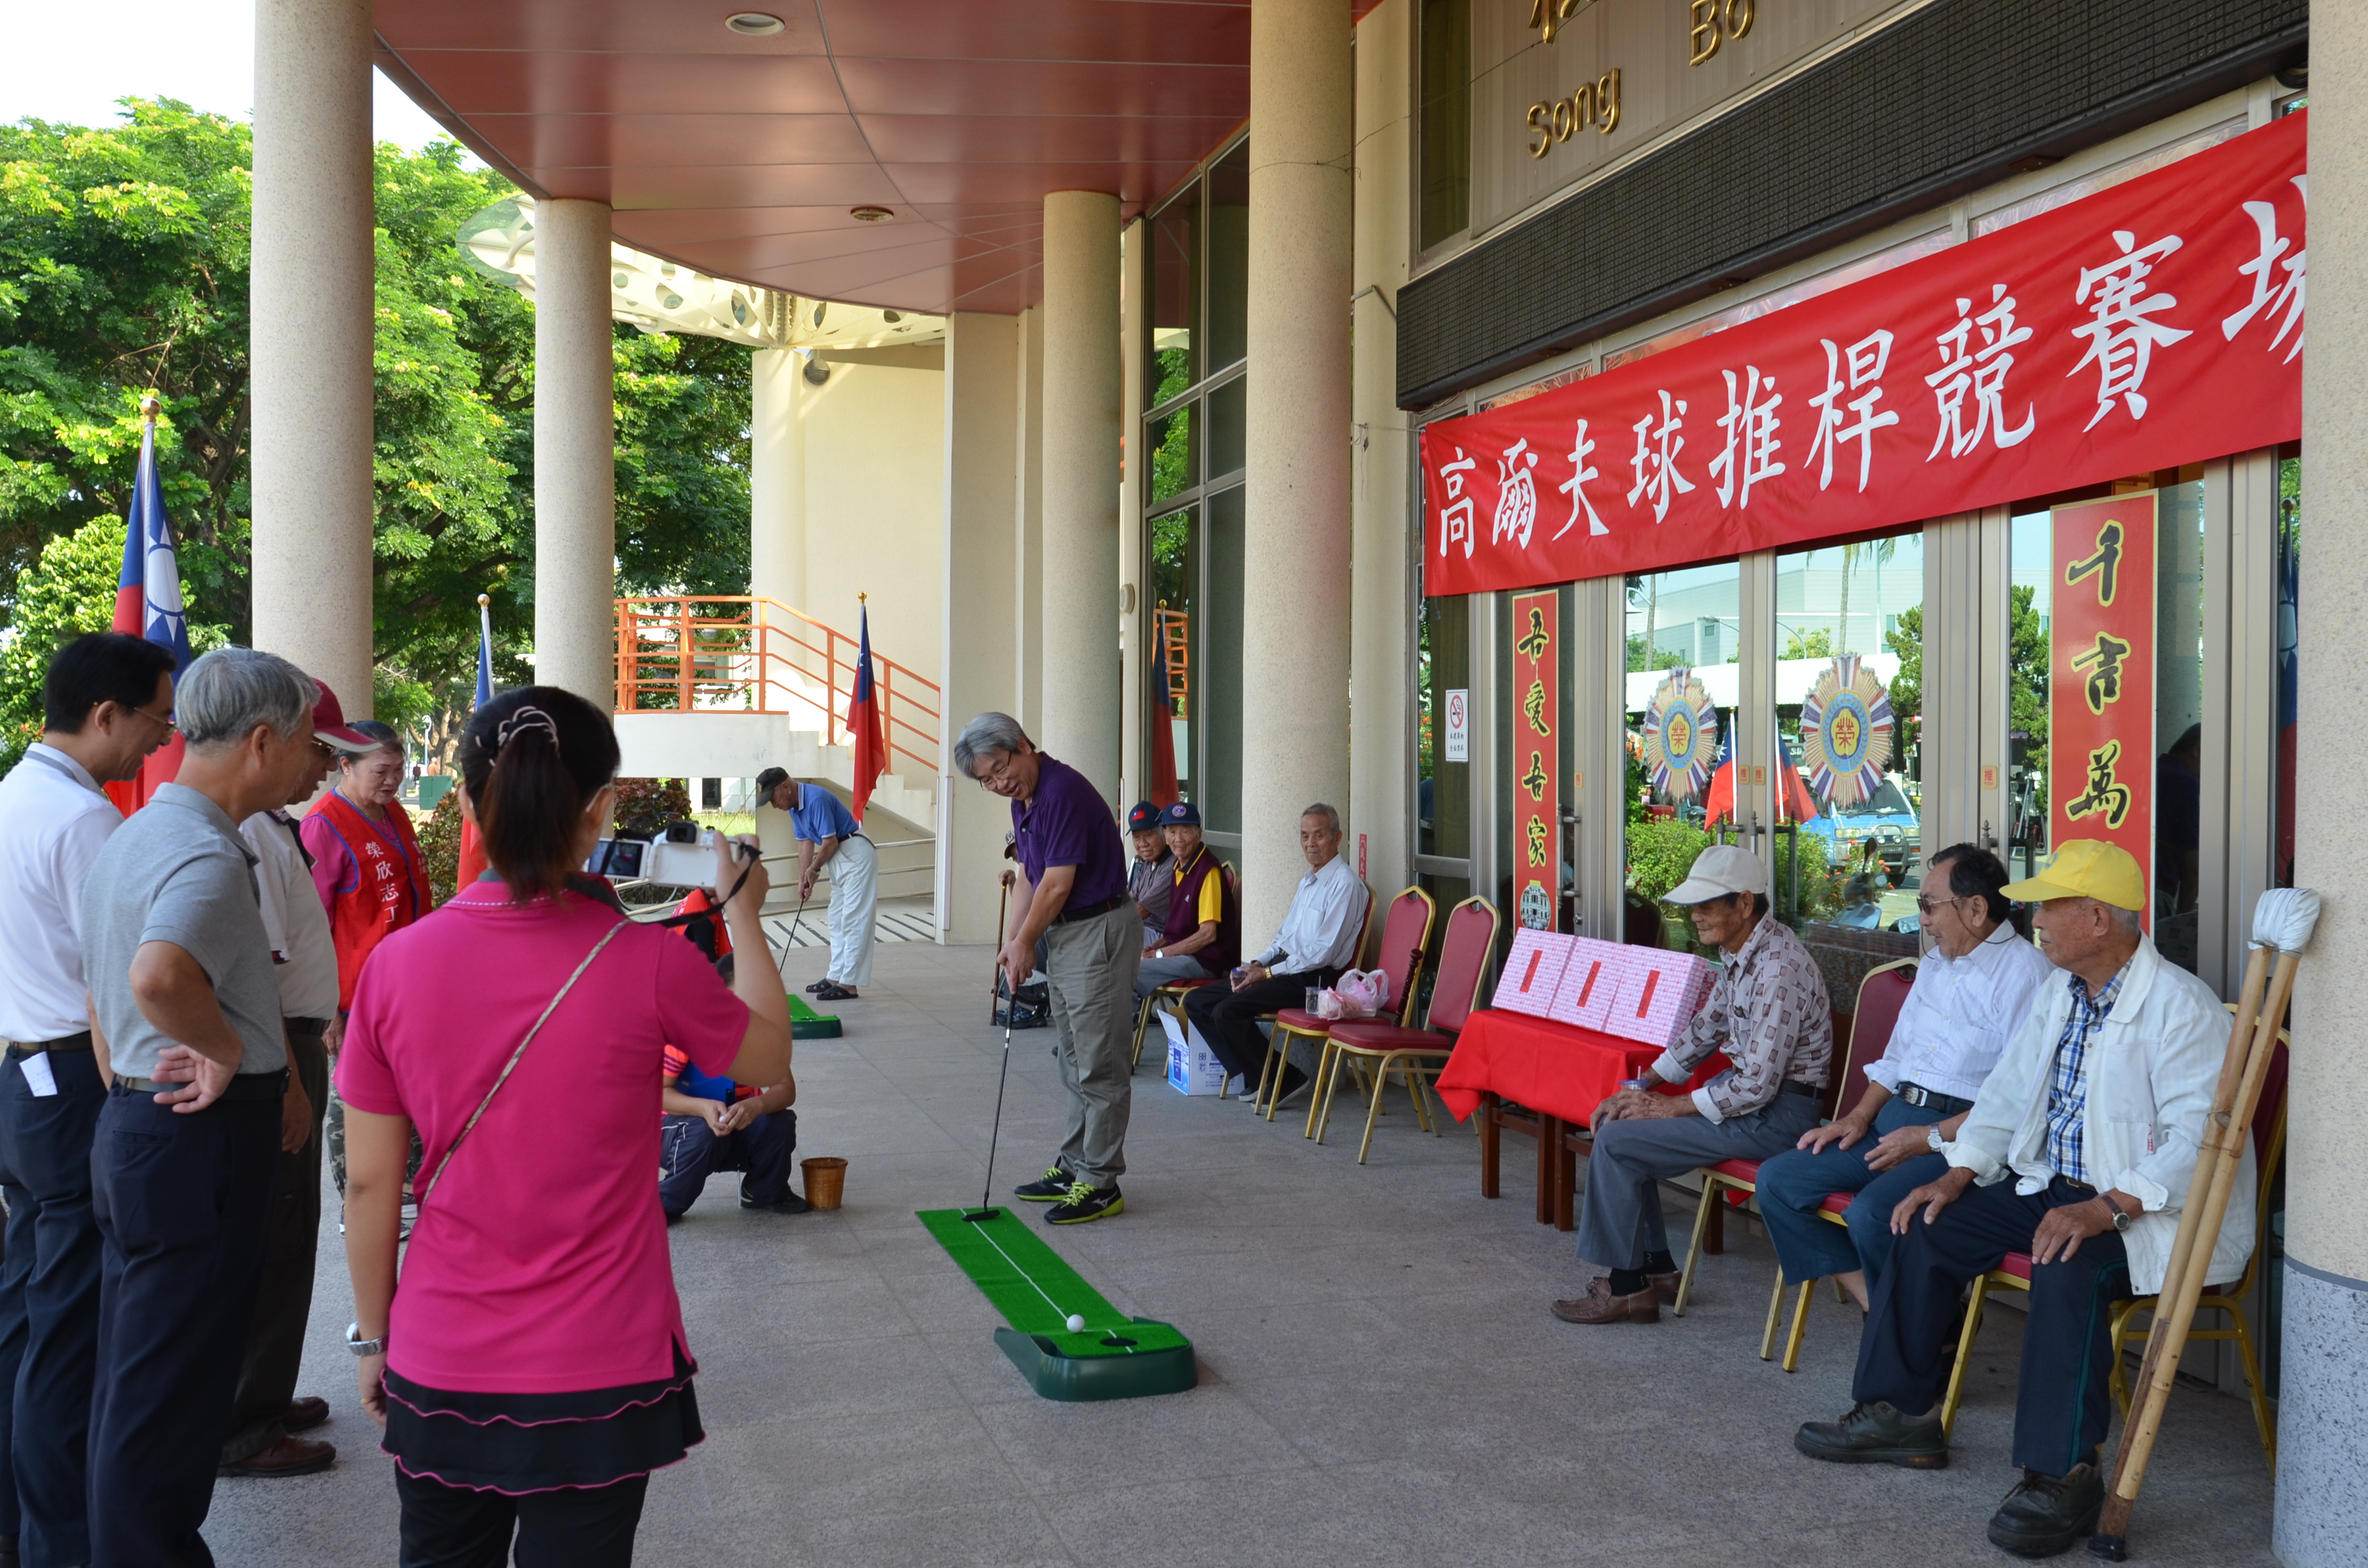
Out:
{"x": 2101, "y": 662}
{"x": 1537, "y": 794}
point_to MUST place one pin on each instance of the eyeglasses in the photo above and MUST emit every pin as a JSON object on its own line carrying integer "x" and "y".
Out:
{"x": 997, "y": 772}
{"x": 165, "y": 719}
{"x": 323, "y": 750}
{"x": 1929, "y": 905}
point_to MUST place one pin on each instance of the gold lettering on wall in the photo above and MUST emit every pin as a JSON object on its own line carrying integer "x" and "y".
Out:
{"x": 1546, "y": 17}
{"x": 1596, "y": 103}
{"x": 1710, "y": 23}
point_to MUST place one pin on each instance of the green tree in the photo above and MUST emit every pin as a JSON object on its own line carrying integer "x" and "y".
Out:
{"x": 1818, "y": 642}
{"x": 2027, "y": 674}
{"x": 1906, "y": 639}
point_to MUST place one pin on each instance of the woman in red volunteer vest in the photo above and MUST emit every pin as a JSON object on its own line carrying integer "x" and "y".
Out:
{"x": 365, "y": 860}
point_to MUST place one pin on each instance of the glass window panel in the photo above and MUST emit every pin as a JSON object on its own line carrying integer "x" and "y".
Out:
{"x": 1174, "y": 468}
{"x": 1175, "y": 297}
{"x": 1229, "y": 258}
{"x": 2289, "y": 589}
{"x": 1220, "y": 798}
{"x": 1688, "y": 619}
{"x": 1849, "y": 677}
{"x": 2031, "y": 601}
{"x": 1443, "y": 789}
{"x": 1229, "y": 426}
{"x": 1175, "y": 577}
{"x": 1446, "y": 119}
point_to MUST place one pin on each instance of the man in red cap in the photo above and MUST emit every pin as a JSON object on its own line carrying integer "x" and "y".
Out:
{"x": 265, "y": 1415}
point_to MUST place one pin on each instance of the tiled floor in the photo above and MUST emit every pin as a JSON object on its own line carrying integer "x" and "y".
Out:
{"x": 1381, "y": 1383}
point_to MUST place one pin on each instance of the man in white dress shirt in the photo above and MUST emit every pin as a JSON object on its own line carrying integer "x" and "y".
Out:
{"x": 108, "y": 703}
{"x": 1317, "y": 941}
{"x": 1971, "y": 993}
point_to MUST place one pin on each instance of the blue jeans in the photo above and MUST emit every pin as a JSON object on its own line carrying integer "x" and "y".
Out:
{"x": 1795, "y": 1182}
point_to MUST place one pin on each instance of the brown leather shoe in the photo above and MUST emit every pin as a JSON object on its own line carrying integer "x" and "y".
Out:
{"x": 304, "y": 1414}
{"x": 289, "y": 1456}
{"x": 1600, "y": 1305}
{"x": 1665, "y": 1290}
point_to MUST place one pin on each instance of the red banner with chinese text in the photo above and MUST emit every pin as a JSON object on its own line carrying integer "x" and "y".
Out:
{"x": 2100, "y": 677}
{"x": 1537, "y": 795}
{"x": 2157, "y": 323}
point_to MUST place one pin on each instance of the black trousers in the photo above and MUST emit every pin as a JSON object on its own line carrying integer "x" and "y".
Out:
{"x": 184, "y": 1207}
{"x": 283, "y": 1302}
{"x": 49, "y": 1305}
{"x": 1228, "y": 1019}
{"x": 451, "y": 1526}
{"x": 2062, "y": 1402}
{"x": 690, "y": 1152}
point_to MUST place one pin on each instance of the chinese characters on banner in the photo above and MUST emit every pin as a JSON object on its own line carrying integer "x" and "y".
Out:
{"x": 1537, "y": 795}
{"x": 2101, "y": 674}
{"x": 2154, "y": 324}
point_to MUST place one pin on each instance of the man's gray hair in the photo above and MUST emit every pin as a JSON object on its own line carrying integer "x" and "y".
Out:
{"x": 1320, "y": 810}
{"x": 228, "y": 692}
{"x": 988, "y": 733}
{"x": 2124, "y": 920}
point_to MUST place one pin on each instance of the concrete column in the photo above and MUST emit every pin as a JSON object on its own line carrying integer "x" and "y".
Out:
{"x": 776, "y": 477}
{"x": 1028, "y": 521}
{"x": 1081, "y": 479}
{"x": 575, "y": 453}
{"x": 1296, "y": 573}
{"x": 1381, "y": 688}
{"x": 979, "y": 668}
{"x": 1134, "y": 674}
{"x": 2322, "y": 1512}
{"x": 310, "y": 303}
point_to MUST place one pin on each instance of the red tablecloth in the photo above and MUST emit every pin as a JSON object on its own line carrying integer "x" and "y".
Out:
{"x": 1556, "y": 1068}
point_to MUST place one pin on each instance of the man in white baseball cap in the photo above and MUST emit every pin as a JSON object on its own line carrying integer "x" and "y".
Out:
{"x": 1767, "y": 1012}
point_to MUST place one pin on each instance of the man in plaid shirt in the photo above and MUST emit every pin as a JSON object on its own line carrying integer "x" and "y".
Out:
{"x": 1767, "y": 1012}
{"x": 2078, "y": 1151}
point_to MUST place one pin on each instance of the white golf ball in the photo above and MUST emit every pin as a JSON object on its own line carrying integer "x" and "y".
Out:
{"x": 1076, "y": 1322}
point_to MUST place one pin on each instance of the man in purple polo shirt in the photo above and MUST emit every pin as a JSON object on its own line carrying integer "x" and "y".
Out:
{"x": 1072, "y": 895}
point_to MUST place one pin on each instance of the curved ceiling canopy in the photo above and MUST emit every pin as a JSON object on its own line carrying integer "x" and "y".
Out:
{"x": 768, "y": 156}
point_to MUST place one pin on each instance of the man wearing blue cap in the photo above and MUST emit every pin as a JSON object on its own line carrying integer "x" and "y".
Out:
{"x": 1203, "y": 940}
{"x": 1150, "y": 879}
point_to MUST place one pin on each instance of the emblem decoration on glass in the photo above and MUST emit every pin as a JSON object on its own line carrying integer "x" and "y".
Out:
{"x": 1680, "y": 736}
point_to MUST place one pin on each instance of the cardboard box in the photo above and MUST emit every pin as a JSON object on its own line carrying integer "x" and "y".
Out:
{"x": 1591, "y": 980}
{"x": 1660, "y": 997}
{"x": 1532, "y": 972}
{"x": 1192, "y": 1067}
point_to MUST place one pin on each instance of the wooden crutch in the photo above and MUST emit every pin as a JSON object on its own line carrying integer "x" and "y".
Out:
{"x": 2282, "y": 921}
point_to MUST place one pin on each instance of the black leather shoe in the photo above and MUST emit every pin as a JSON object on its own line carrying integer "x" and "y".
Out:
{"x": 2045, "y": 1514}
{"x": 788, "y": 1203}
{"x": 1876, "y": 1434}
{"x": 304, "y": 1414}
{"x": 1051, "y": 1187}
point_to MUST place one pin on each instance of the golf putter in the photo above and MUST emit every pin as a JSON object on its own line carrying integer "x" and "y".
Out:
{"x": 987, "y": 1192}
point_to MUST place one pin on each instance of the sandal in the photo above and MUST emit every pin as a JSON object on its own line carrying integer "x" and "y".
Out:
{"x": 818, "y": 987}
{"x": 831, "y": 991}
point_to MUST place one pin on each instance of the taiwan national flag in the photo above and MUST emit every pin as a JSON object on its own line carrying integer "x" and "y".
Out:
{"x": 864, "y": 719}
{"x": 1163, "y": 721}
{"x": 472, "y": 848}
{"x": 148, "y": 604}
{"x": 1718, "y": 806}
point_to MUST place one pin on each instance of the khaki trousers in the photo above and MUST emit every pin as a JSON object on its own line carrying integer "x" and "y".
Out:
{"x": 1089, "y": 965}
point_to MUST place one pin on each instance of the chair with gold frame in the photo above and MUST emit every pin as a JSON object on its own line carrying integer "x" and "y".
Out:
{"x": 2014, "y": 1274}
{"x": 1385, "y": 1048}
{"x": 1268, "y": 1078}
{"x": 1406, "y": 934}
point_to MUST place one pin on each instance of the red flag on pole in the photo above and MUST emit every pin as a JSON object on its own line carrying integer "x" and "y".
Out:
{"x": 472, "y": 848}
{"x": 1162, "y": 721}
{"x": 863, "y": 718}
{"x": 148, "y": 604}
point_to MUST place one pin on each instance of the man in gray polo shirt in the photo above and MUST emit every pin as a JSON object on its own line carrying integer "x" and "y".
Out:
{"x": 184, "y": 1012}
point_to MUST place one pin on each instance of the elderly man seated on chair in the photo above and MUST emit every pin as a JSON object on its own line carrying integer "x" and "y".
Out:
{"x": 1971, "y": 993}
{"x": 1318, "y": 939}
{"x": 1768, "y": 1013}
{"x": 2079, "y": 1150}
{"x": 1203, "y": 939}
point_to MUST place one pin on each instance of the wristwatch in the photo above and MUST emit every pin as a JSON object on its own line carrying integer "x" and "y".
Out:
{"x": 360, "y": 1347}
{"x": 1933, "y": 1137}
{"x": 2121, "y": 1215}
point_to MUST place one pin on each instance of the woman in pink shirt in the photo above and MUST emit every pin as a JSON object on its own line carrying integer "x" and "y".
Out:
{"x": 531, "y": 1367}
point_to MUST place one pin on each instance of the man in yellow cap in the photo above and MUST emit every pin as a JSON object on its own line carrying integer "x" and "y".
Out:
{"x": 2077, "y": 1150}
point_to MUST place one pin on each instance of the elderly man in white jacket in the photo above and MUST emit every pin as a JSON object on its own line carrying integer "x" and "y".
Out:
{"x": 2077, "y": 1150}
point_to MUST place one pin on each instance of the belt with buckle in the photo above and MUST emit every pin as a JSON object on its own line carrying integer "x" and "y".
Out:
{"x": 1923, "y": 1098}
{"x": 1794, "y": 1086}
{"x": 243, "y": 1086}
{"x": 64, "y": 1042}
{"x": 1087, "y": 911}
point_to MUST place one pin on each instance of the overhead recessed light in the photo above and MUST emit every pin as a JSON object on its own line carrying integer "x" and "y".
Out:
{"x": 891, "y": 317}
{"x": 869, "y": 214}
{"x": 754, "y": 24}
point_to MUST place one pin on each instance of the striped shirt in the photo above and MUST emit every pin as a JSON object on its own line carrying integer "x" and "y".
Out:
{"x": 2067, "y": 1083}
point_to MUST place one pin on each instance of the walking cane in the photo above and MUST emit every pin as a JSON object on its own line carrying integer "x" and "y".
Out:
{"x": 2283, "y": 920}
{"x": 1001, "y": 908}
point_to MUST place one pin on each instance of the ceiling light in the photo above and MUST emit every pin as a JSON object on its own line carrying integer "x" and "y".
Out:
{"x": 754, "y": 24}
{"x": 869, "y": 214}
{"x": 891, "y": 317}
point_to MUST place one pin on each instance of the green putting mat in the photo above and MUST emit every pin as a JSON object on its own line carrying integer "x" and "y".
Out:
{"x": 807, "y": 1024}
{"x": 1114, "y": 1356}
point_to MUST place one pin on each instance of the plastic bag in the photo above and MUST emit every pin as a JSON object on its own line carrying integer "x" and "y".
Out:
{"x": 1357, "y": 993}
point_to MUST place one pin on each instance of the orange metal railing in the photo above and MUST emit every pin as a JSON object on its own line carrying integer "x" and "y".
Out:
{"x": 723, "y": 653}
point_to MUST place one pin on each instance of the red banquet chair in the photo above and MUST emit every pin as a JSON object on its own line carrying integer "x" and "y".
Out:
{"x": 1462, "y": 966}
{"x": 1269, "y": 1078}
{"x": 1406, "y": 934}
{"x": 1880, "y": 996}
